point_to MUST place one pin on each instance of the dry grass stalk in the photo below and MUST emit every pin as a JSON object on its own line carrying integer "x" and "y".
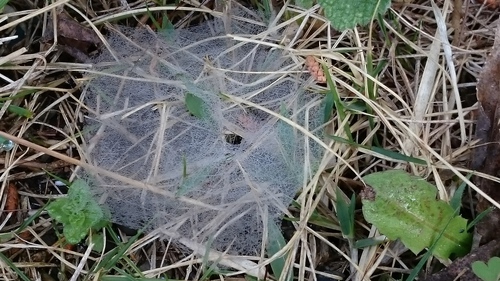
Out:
{"x": 432, "y": 127}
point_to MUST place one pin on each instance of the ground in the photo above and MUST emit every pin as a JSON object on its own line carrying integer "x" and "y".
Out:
{"x": 396, "y": 94}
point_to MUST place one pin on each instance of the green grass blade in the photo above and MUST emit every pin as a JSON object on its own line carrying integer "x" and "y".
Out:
{"x": 388, "y": 153}
{"x": 19, "y": 273}
{"x": 153, "y": 19}
{"x": 329, "y": 103}
{"x": 456, "y": 200}
{"x": 19, "y": 110}
{"x": 28, "y": 221}
{"x": 363, "y": 243}
{"x": 20, "y": 94}
{"x": 275, "y": 244}
{"x": 317, "y": 219}
{"x": 130, "y": 278}
{"x": 112, "y": 257}
{"x": 479, "y": 217}
{"x": 346, "y": 218}
{"x": 339, "y": 106}
{"x": 3, "y": 3}
{"x": 397, "y": 156}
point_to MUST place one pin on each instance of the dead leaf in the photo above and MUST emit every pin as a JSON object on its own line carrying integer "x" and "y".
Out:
{"x": 489, "y": 3}
{"x": 12, "y": 203}
{"x": 72, "y": 37}
{"x": 70, "y": 247}
{"x": 486, "y": 157}
{"x": 21, "y": 238}
{"x": 25, "y": 236}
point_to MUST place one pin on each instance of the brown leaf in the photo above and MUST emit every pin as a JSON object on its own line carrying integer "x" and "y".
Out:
{"x": 69, "y": 247}
{"x": 21, "y": 238}
{"x": 73, "y": 37}
{"x": 12, "y": 203}
{"x": 486, "y": 157}
{"x": 25, "y": 235}
{"x": 490, "y": 3}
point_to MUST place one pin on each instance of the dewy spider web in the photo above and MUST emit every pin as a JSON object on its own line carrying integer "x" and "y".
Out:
{"x": 219, "y": 178}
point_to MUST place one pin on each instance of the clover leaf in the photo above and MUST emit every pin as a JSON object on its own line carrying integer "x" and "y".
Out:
{"x": 487, "y": 272}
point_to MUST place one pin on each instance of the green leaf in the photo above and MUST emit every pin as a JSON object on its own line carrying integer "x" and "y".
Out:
{"x": 328, "y": 106}
{"x": 21, "y": 111}
{"x": 345, "y": 213}
{"x": 316, "y": 219}
{"x": 129, "y": 278}
{"x": 194, "y": 181}
{"x": 12, "y": 266}
{"x": 347, "y": 14}
{"x": 456, "y": 200}
{"x": 78, "y": 212}
{"x": 184, "y": 167}
{"x": 339, "y": 105}
{"x": 397, "y": 156}
{"x": 372, "y": 241}
{"x": 288, "y": 144}
{"x": 423, "y": 261}
{"x": 306, "y": 4}
{"x": 276, "y": 242}
{"x": 3, "y": 3}
{"x": 489, "y": 272}
{"x": 195, "y": 105}
{"x": 403, "y": 206}
{"x": 388, "y": 153}
{"x": 479, "y": 217}
{"x": 98, "y": 240}
{"x": 21, "y": 93}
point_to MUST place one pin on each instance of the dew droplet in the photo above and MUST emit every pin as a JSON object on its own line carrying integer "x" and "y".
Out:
{"x": 6, "y": 144}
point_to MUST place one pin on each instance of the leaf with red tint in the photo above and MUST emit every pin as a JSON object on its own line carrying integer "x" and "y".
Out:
{"x": 74, "y": 38}
{"x": 490, "y": 3}
{"x": 486, "y": 157}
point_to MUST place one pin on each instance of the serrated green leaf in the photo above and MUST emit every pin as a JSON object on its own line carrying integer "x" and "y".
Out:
{"x": 403, "y": 206}
{"x": 57, "y": 211}
{"x": 78, "y": 212}
{"x": 347, "y": 14}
